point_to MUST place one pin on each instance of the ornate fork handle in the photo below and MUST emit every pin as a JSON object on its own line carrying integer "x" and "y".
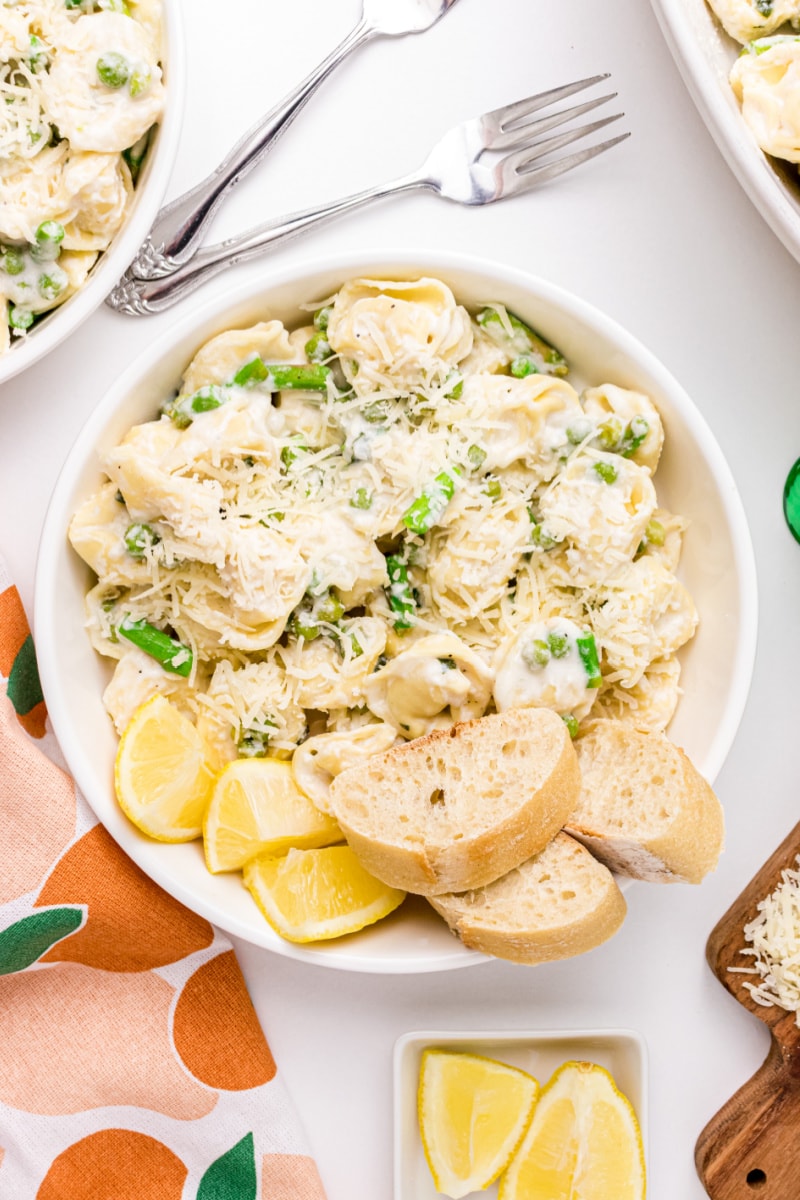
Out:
{"x": 179, "y": 227}
{"x": 141, "y": 298}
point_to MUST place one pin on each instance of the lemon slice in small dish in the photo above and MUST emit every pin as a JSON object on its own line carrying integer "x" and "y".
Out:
{"x": 314, "y": 895}
{"x": 257, "y": 808}
{"x": 473, "y": 1113}
{"x": 584, "y": 1140}
{"x": 162, "y": 780}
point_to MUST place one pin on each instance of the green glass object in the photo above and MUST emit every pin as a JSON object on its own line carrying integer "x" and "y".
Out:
{"x": 791, "y": 500}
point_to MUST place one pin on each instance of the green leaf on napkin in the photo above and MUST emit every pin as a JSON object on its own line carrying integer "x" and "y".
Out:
{"x": 233, "y": 1175}
{"x": 24, "y": 942}
{"x": 24, "y": 688}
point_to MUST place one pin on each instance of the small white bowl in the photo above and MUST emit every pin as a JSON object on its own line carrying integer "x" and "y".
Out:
{"x": 60, "y": 322}
{"x": 693, "y": 479}
{"x": 621, "y": 1051}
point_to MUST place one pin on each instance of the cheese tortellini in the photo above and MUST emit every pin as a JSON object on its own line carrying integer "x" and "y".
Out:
{"x": 766, "y": 81}
{"x": 765, "y": 77}
{"x": 350, "y": 534}
{"x": 746, "y": 20}
{"x": 81, "y": 88}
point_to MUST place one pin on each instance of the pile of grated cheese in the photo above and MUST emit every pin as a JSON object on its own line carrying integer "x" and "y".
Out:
{"x": 774, "y": 938}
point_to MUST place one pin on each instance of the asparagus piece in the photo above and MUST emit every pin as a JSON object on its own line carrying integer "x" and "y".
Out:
{"x": 139, "y": 538}
{"x": 169, "y": 652}
{"x": 277, "y": 376}
{"x": 399, "y": 593}
{"x": 427, "y": 509}
{"x": 526, "y": 342}
{"x": 587, "y": 648}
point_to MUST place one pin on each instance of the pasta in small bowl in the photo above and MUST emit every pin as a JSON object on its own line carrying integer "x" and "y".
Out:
{"x": 349, "y": 507}
{"x": 92, "y": 97}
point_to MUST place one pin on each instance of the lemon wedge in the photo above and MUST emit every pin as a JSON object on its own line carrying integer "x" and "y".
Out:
{"x": 162, "y": 780}
{"x": 473, "y": 1113}
{"x": 313, "y": 895}
{"x": 257, "y": 808}
{"x": 584, "y": 1140}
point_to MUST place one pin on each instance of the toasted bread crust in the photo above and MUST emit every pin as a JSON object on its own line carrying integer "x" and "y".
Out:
{"x": 559, "y": 904}
{"x": 673, "y": 833}
{"x": 420, "y": 820}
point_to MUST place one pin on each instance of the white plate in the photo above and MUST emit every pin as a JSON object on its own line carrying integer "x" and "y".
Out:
{"x": 704, "y": 55}
{"x": 621, "y": 1051}
{"x": 693, "y": 479}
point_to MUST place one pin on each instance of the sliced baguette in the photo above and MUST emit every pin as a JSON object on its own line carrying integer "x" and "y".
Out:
{"x": 460, "y": 807}
{"x": 644, "y": 810}
{"x": 558, "y": 904}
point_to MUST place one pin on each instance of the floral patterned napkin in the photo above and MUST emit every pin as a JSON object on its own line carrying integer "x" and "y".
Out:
{"x": 132, "y": 1064}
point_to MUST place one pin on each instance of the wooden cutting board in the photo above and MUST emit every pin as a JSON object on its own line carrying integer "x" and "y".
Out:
{"x": 751, "y": 1149}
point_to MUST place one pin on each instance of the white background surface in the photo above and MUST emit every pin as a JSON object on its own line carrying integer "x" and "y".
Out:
{"x": 659, "y": 235}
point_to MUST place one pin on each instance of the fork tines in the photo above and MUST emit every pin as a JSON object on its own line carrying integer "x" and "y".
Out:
{"x": 519, "y": 127}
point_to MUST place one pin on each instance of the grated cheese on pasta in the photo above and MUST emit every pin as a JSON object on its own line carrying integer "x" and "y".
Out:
{"x": 381, "y": 550}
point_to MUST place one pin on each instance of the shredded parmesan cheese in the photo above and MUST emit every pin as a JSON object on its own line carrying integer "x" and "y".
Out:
{"x": 774, "y": 945}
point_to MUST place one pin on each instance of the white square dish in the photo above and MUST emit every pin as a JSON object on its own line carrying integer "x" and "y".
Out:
{"x": 621, "y": 1051}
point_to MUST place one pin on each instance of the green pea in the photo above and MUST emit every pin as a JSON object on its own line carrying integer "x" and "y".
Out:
{"x": 655, "y": 533}
{"x": 140, "y": 81}
{"x": 139, "y": 538}
{"x": 304, "y": 627}
{"x": 329, "y": 608}
{"x": 318, "y": 348}
{"x": 361, "y": 499}
{"x": 113, "y": 69}
{"x": 605, "y": 471}
{"x": 13, "y": 261}
{"x": 522, "y": 366}
{"x": 47, "y": 244}
{"x": 558, "y": 644}
{"x": 610, "y": 433}
{"x": 536, "y": 654}
{"x": 571, "y": 723}
{"x": 52, "y": 285}
{"x": 476, "y": 456}
{"x": 321, "y": 318}
{"x": 20, "y": 318}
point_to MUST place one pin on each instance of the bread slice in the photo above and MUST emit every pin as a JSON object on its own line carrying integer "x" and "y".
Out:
{"x": 556, "y": 905}
{"x": 460, "y": 807}
{"x": 644, "y": 810}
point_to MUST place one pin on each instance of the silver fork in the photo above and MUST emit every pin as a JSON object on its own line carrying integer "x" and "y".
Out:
{"x": 179, "y": 227}
{"x": 454, "y": 169}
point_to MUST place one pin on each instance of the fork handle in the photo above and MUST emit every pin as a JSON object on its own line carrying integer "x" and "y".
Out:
{"x": 179, "y": 227}
{"x": 140, "y": 298}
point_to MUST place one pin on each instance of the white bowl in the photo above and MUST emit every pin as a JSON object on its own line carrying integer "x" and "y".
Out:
{"x": 704, "y": 55}
{"x": 621, "y": 1051}
{"x": 60, "y": 322}
{"x": 693, "y": 479}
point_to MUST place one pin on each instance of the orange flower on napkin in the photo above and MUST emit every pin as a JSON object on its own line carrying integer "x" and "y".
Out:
{"x": 132, "y": 1064}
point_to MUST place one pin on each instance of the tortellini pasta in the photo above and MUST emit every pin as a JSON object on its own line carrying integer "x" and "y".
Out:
{"x": 745, "y": 20}
{"x": 346, "y": 538}
{"x": 80, "y": 90}
{"x": 767, "y": 84}
{"x": 398, "y": 335}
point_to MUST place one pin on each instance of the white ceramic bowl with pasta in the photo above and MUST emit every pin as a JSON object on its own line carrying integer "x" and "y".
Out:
{"x": 71, "y": 89}
{"x": 717, "y": 567}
